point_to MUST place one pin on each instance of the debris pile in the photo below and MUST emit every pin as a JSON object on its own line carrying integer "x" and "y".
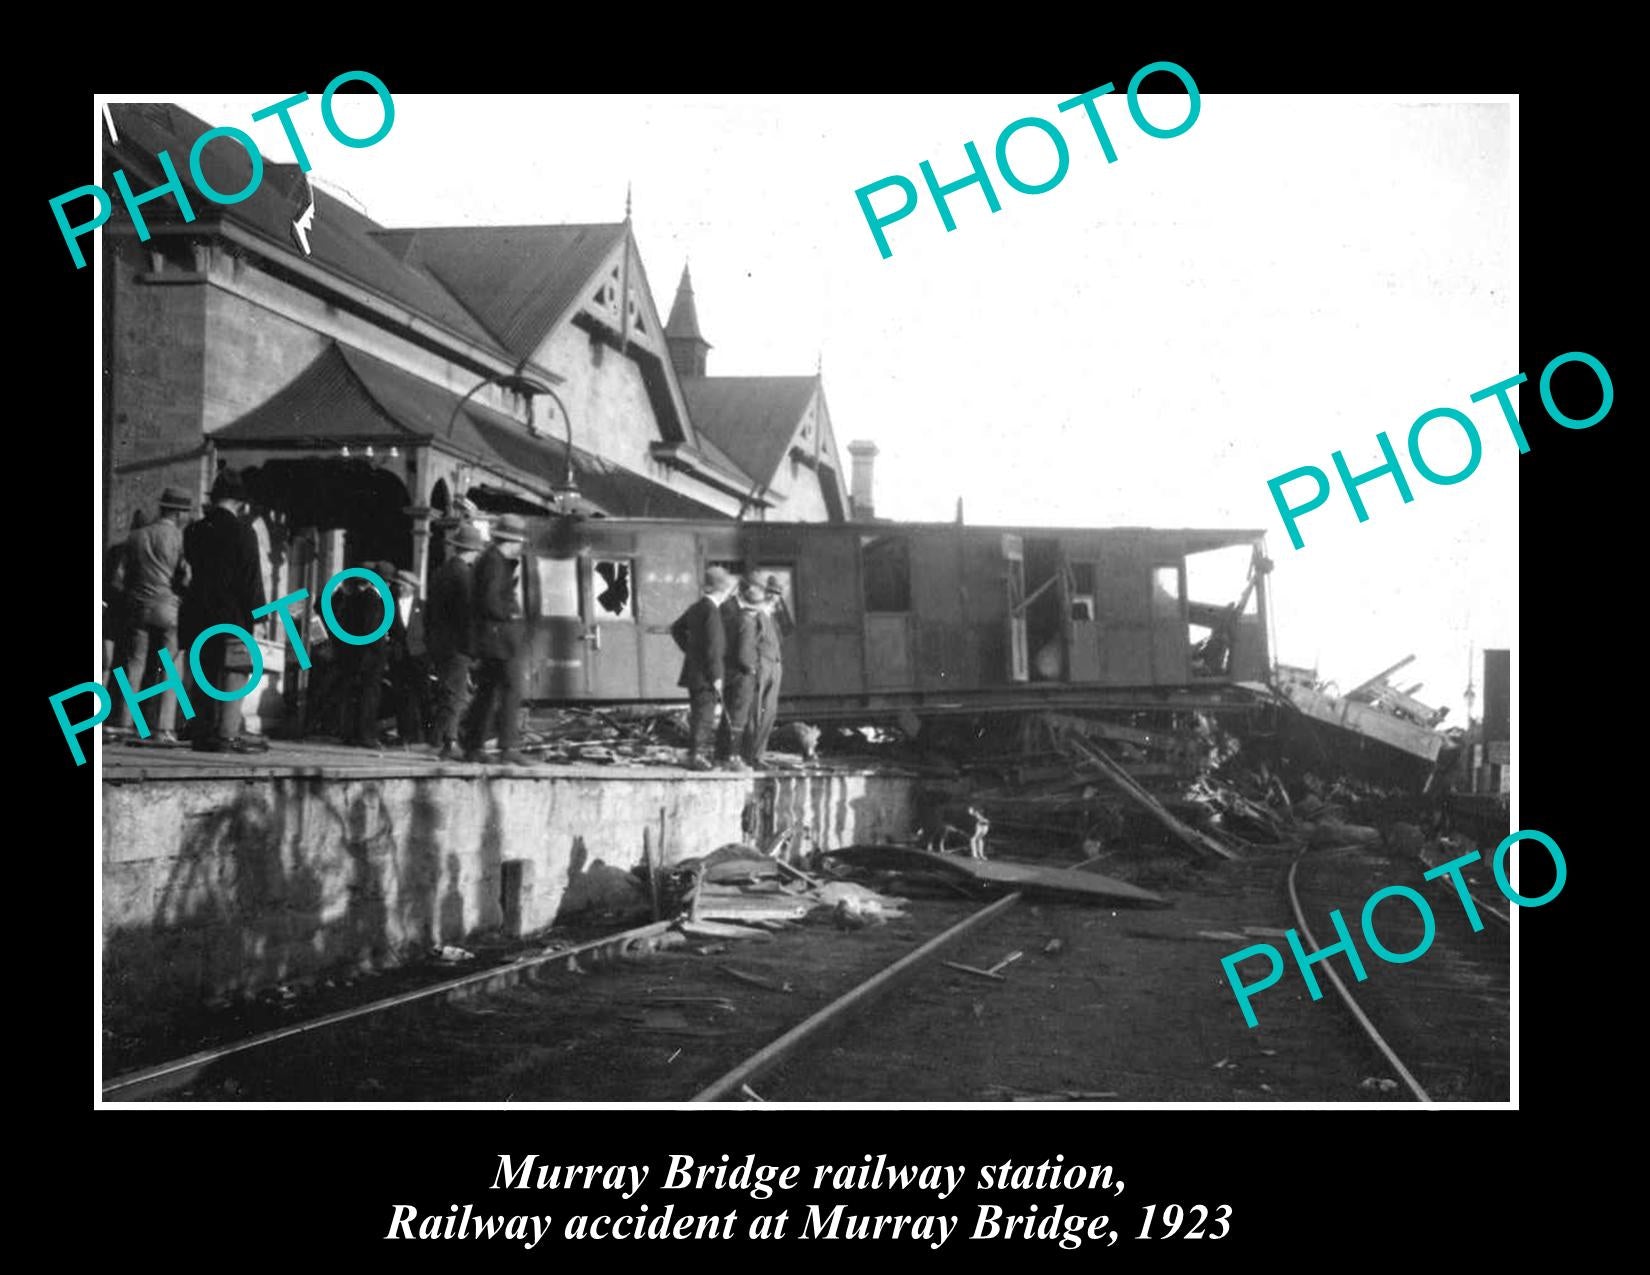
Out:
{"x": 561, "y": 736}
{"x": 740, "y": 891}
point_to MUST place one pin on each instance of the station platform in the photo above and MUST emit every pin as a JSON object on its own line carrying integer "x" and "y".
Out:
{"x": 224, "y": 874}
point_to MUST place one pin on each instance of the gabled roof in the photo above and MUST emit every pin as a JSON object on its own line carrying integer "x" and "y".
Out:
{"x": 341, "y": 239}
{"x": 516, "y": 280}
{"x": 347, "y": 397}
{"x": 751, "y": 419}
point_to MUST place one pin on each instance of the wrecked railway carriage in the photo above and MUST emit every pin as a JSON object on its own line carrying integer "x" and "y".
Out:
{"x": 892, "y": 619}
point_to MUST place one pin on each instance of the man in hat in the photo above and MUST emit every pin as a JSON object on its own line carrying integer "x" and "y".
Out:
{"x": 154, "y": 572}
{"x": 769, "y": 669}
{"x": 411, "y": 676}
{"x": 114, "y": 606}
{"x": 450, "y": 632}
{"x": 701, "y": 636}
{"x": 226, "y": 586}
{"x": 505, "y": 604}
{"x": 386, "y": 659}
{"x": 739, "y": 615}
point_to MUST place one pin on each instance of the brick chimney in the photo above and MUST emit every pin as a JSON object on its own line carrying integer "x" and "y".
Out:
{"x": 860, "y": 502}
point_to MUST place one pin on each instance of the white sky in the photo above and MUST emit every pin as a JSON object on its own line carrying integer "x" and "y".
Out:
{"x": 1145, "y": 344}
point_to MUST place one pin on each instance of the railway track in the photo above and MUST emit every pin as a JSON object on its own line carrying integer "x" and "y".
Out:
{"x": 1121, "y": 1007}
{"x": 1440, "y": 1022}
{"x": 344, "y": 1041}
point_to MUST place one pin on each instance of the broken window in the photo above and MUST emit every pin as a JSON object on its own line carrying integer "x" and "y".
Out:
{"x": 611, "y": 585}
{"x": 1223, "y": 593}
{"x": 886, "y": 562}
{"x": 559, "y": 587}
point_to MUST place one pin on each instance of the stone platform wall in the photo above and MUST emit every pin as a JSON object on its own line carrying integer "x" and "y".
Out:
{"x": 215, "y": 887}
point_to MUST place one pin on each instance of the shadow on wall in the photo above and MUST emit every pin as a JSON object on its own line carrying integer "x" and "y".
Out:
{"x": 593, "y": 884}
{"x": 290, "y": 880}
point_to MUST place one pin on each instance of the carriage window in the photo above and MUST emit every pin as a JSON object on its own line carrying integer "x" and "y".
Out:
{"x": 1166, "y": 597}
{"x": 784, "y": 578}
{"x": 887, "y": 566}
{"x": 612, "y": 591}
{"x": 559, "y": 587}
{"x": 1082, "y": 591}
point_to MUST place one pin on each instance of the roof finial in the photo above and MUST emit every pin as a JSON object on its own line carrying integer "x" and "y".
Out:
{"x": 819, "y": 363}
{"x": 627, "y": 201}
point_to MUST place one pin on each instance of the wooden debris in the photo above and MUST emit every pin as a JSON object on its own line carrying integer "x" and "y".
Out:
{"x": 799, "y": 874}
{"x": 969, "y": 969}
{"x": 755, "y": 980}
{"x": 720, "y": 930}
{"x": 1199, "y": 841}
{"x": 650, "y": 864}
{"x": 1088, "y": 886}
{"x": 747, "y": 909}
{"x": 995, "y": 972}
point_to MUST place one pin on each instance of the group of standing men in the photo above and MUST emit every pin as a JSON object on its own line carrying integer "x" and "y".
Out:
{"x": 472, "y": 636}
{"x": 731, "y": 642}
{"x": 172, "y": 584}
{"x": 169, "y": 583}
{"x": 484, "y": 601}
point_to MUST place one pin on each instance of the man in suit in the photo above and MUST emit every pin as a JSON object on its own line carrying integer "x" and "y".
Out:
{"x": 769, "y": 669}
{"x": 390, "y": 659}
{"x": 701, "y": 635}
{"x": 154, "y": 571}
{"x": 740, "y": 616}
{"x": 226, "y": 586}
{"x": 114, "y": 607}
{"x": 505, "y": 603}
{"x": 450, "y": 632}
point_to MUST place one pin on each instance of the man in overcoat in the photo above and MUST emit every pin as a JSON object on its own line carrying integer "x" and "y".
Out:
{"x": 701, "y": 635}
{"x": 450, "y": 633}
{"x": 505, "y": 604}
{"x": 226, "y": 586}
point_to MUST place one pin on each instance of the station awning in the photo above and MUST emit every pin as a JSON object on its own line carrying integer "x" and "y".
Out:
{"x": 346, "y": 398}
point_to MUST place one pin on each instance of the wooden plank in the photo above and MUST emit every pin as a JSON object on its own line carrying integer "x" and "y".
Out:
{"x": 1021, "y": 876}
{"x": 722, "y": 930}
{"x": 969, "y": 969}
{"x": 747, "y": 913}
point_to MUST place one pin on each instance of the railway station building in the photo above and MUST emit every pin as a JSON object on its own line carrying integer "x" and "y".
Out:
{"x": 365, "y": 378}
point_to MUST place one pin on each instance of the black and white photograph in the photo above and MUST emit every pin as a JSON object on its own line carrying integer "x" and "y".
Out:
{"x": 948, "y": 600}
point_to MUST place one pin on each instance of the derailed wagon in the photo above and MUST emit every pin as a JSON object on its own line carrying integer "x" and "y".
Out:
{"x": 909, "y": 617}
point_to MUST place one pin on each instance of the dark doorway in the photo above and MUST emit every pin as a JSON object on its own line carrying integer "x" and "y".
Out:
{"x": 327, "y": 493}
{"x": 1045, "y": 610}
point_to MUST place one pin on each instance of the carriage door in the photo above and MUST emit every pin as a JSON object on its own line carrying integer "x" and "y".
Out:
{"x": 885, "y": 572}
{"x": 1171, "y": 654}
{"x": 1019, "y": 665}
{"x": 556, "y": 669}
{"x": 612, "y": 659}
{"x": 1082, "y": 624}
